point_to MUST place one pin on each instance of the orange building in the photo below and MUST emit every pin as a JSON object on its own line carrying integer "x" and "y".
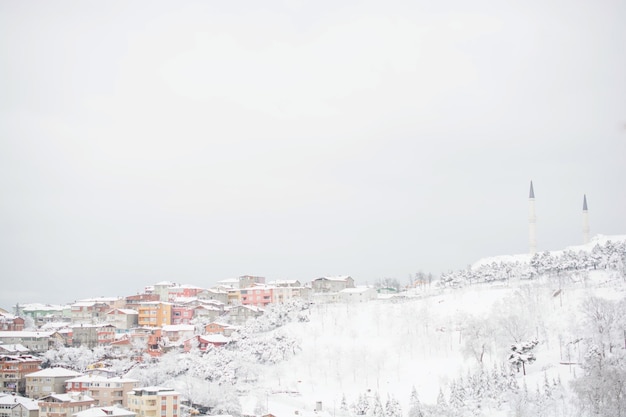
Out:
{"x": 154, "y": 314}
{"x": 13, "y": 371}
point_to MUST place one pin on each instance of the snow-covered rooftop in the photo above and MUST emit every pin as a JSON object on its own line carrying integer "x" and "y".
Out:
{"x": 42, "y": 307}
{"x": 55, "y": 372}
{"x": 14, "y": 347}
{"x": 115, "y": 411}
{"x": 69, "y": 397}
{"x": 124, "y": 311}
{"x": 178, "y": 328}
{"x": 24, "y": 334}
{"x": 356, "y": 290}
{"x": 100, "y": 378}
{"x": 9, "y": 400}
{"x": 215, "y": 338}
{"x": 336, "y": 278}
{"x": 165, "y": 284}
{"x": 159, "y": 390}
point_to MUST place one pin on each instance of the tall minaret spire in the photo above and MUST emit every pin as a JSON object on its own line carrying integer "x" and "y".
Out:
{"x": 532, "y": 221}
{"x": 585, "y": 220}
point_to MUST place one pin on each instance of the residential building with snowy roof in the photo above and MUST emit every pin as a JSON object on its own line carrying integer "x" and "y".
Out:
{"x": 154, "y": 402}
{"x": 214, "y": 294}
{"x": 10, "y": 322}
{"x": 175, "y": 332}
{"x": 64, "y": 405}
{"x": 122, "y": 318}
{"x": 89, "y": 312}
{"x": 44, "y": 313}
{"x": 358, "y": 294}
{"x": 111, "y": 411}
{"x": 332, "y": 284}
{"x": 154, "y": 314}
{"x": 35, "y": 341}
{"x": 13, "y": 371}
{"x": 18, "y": 406}
{"x": 13, "y": 349}
{"x": 48, "y": 381}
{"x": 106, "y": 391}
{"x": 238, "y": 315}
{"x": 93, "y": 335}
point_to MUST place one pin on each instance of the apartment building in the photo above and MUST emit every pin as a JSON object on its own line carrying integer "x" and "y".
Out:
{"x": 13, "y": 371}
{"x": 92, "y": 335}
{"x": 48, "y": 381}
{"x": 64, "y": 405}
{"x": 176, "y": 332}
{"x": 44, "y": 313}
{"x": 122, "y": 318}
{"x": 182, "y": 314}
{"x": 105, "y": 391}
{"x": 11, "y": 323}
{"x": 34, "y": 341}
{"x": 154, "y": 314}
{"x": 89, "y": 311}
{"x": 18, "y": 406}
{"x": 154, "y": 402}
{"x": 133, "y": 301}
{"x": 332, "y": 284}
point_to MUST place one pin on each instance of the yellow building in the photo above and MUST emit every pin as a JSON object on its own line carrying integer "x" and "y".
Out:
{"x": 154, "y": 314}
{"x": 154, "y": 402}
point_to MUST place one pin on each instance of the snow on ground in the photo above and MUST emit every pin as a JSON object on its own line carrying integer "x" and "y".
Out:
{"x": 386, "y": 347}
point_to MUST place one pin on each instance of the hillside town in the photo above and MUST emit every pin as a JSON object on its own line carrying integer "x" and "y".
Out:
{"x": 165, "y": 316}
{"x": 125, "y": 356}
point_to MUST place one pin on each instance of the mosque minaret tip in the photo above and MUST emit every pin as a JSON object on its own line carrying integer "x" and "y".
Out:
{"x": 585, "y": 220}
{"x": 532, "y": 221}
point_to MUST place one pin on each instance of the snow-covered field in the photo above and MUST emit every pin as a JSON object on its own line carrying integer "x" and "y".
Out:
{"x": 387, "y": 347}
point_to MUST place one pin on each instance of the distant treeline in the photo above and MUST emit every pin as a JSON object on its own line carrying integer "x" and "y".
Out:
{"x": 607, "y": 256}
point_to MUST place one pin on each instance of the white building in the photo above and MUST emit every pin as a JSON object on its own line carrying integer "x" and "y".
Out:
{"x": 358, "y": 295}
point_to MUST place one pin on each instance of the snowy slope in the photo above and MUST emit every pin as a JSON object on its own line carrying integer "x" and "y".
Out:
{"x": 386, "y": 347}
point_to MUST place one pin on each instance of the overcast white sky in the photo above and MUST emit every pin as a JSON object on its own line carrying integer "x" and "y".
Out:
{"x": 196, "y": 141}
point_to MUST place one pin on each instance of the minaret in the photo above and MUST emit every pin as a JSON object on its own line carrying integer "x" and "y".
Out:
{"x": 585, "y": 220}
{"x": 532, "y": 221}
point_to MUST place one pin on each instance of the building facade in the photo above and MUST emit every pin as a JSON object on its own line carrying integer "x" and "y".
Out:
{"x": 154, "y": 314}
{"x": 48, "y": 381}
{"x": 105, "y": 391}
{"x": 122, "y": 318}
{"x": 64, "y": 405}
{"x": 13, "y": 371}
{"x": 154, "y": 402}
{"x": 18, "y": 406}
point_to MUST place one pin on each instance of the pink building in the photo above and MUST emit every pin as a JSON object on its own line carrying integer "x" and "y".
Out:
{"x": 259, "y": 296}
{"x": 182, "y": 314}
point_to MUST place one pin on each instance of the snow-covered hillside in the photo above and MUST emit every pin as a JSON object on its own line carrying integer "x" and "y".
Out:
{"x": 388, "y": 347}
{"x": 549, "y": 343}
{"x": 436, "y": 336}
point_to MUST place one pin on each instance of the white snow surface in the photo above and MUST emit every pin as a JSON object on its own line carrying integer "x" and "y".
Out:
{"x": 526, "y": 257}
{"x": 386, "y": 347}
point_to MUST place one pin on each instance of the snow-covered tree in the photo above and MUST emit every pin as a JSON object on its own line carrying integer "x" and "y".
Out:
{"x": 415, "y": 407}
{"x": 522, "y": 354}
{"x": 477, "y": 337}
{"x": 377, "y": 408}
{"x": 361, "y": 407}
{"x": 392, "y": 407}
